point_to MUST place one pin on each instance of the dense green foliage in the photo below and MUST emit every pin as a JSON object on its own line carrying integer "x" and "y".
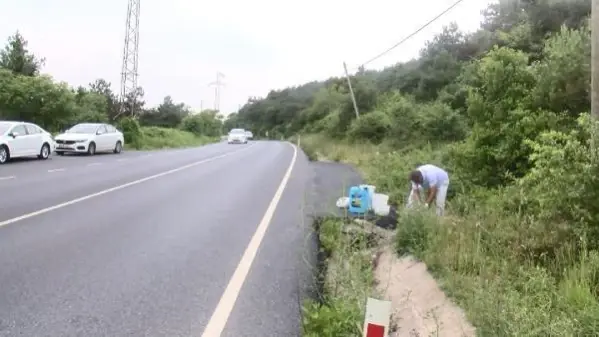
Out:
{"x": 505, "y": 110}
{"x": 27, "y": 95}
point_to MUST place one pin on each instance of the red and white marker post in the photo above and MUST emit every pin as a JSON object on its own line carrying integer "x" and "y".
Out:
{"x": 376, "y": 322}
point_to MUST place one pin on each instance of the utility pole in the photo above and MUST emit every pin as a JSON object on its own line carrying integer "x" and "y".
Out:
{"x": 595, "y": 59}
{"x": 217, "y": 85}
{"x": 201, "y": 105}
{"x": 130, "y": 56}
{"x": 351, "y": 91}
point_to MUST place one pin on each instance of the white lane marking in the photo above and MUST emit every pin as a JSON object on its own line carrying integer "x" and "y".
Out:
{"x": 94, "y": 164}
{"x": 113, "y": 189}
{"x": 56, "y": 170}
{"x": 225, "y": 306}
{"x": 7, "y": 178}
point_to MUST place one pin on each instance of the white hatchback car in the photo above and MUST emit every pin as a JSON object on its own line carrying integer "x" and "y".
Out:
{"x": 90, "y": 138}
{"x": 20, "y": 139}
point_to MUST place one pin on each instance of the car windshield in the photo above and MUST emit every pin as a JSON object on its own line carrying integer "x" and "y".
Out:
{"x": 4, "y": 126}
{"x": 234, "y": 131}
{"x": 83, "y": 128}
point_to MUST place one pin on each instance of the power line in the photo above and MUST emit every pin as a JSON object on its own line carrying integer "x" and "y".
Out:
{"x": 414, "y": 33}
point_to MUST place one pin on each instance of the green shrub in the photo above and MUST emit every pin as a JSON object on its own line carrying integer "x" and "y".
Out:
{"x": 333, "y": 319}
{"x": 372, "y": 126}
{"x": 415, "y": 229}
{"x": 132, "y": 132}
{"x": 161, "y": 138}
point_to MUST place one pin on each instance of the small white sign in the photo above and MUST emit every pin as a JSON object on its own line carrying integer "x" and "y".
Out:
{"x": 376, "y": 321}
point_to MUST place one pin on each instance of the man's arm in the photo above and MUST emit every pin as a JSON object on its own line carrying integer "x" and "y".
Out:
{"x": 432, "y": 193}
{"x": 432, "y": 190}
{"x": 416, "y": 192}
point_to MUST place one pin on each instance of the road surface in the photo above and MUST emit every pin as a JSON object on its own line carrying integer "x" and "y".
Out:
{"x": 145, "y": 243}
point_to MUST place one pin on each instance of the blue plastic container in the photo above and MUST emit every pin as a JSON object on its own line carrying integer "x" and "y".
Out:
{"x": 359, "y": 200}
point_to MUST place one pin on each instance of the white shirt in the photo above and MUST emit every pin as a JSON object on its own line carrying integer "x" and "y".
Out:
{"x": 431, "y": 176}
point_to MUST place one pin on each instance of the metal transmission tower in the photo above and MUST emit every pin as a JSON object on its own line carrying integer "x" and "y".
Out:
{"x": 130, "y": 55}
{"x": 217, "y": 84}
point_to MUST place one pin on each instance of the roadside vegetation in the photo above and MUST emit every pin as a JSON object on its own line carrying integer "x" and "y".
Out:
{"x": 505, "y": 110}
{"x": 344, "y": 282}
{"x": 28, "y": 95}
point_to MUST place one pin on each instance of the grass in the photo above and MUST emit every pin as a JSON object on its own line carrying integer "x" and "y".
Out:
{"x": 154, "y": 138}
{"x": 346, "y": 282}
{"x": 511, "y": 274}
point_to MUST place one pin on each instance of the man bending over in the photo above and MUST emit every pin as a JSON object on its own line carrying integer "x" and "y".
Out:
{"x": 435, "y": 181}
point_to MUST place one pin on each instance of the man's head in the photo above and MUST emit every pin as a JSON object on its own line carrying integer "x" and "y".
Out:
{"x": 416, "y": 177}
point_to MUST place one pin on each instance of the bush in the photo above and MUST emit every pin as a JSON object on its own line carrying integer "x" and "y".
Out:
{"x": 564, "y": 181}
{"x": 372, "y": 126}
{"x": 132, "y": 132}
{"x": 162, "y": 138}
{"x": 414, "y": 232}
{"x": 202, "y": 124}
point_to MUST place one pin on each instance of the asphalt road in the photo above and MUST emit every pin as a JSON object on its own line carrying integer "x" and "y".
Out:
{"x": 145, "y": 243}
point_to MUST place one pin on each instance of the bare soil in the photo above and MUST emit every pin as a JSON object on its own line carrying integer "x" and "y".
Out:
{"x": 420, "y": 308}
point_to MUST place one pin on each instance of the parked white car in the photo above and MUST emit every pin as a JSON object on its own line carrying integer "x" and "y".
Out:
{"x": 90, "y": 138}
{"x": 20, "y": 139}
{"x": 249, "y": 134}
{"x": 237, "y": 136}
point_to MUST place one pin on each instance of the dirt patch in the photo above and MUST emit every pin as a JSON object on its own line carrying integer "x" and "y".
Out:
{"x": 420, "y": 308}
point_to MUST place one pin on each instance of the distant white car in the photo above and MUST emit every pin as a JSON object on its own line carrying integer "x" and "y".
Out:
{"x": 90, "y": 138}
{"x": 249, "y": 134}
{"x": 20, "y": 139}
{"x": 237, "y": 136}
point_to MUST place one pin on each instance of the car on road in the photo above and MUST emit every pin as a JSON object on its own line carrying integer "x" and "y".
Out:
{"x": 90, "y": 138}
{"x": 237, "y": 136}
{"x": 249, "y": 134}
{"x": 21, "y": 139}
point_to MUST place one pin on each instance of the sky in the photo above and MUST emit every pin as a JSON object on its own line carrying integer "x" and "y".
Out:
{"x": 258, "y": 45}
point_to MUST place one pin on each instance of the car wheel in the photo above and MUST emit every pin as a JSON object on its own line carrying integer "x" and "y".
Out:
{"x": 91, "y": 149}
{"x": 118, "y": 147}
{"x": 4, "y": 154}
{"x": 44, "y": 152}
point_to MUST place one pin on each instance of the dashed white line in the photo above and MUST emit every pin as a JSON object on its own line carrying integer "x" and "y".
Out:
{"x": 56, "y": 170}
{"x": 7, "y": 178}
{"x": 114, "y": 189}
{"x": 225, "y": 306}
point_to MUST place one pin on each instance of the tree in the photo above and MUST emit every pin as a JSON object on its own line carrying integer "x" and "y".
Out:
{"x": 17, "y": 58}
{"x": 104, "y": 88}
{"x": 206, "y": 123}
{"x": 168, "y": 114}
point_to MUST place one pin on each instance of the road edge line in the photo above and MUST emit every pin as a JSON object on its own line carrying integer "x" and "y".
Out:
{"x": 220, "y": 316}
